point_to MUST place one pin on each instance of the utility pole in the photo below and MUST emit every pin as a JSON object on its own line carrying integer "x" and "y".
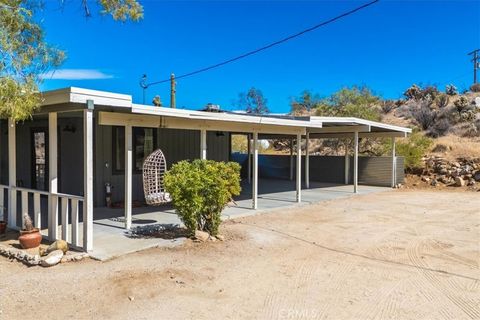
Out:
{"x": 476, "y": 63}
{"x": 144, "y": 85}
{"x": 172, "y": 91}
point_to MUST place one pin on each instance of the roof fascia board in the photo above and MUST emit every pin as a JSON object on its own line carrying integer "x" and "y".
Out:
{"x": 328, "y": 120}
{"x": 154, "y": 121}
{"x": 212, "y": 116}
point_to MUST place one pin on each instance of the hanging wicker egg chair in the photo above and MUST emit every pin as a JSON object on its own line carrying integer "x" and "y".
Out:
{"x": 154, "y": 168}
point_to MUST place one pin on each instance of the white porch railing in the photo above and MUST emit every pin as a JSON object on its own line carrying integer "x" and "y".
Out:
{"x": 71, "y": 229}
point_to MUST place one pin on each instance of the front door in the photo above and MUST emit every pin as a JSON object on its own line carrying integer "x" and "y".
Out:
{"x": 39, "y": 149}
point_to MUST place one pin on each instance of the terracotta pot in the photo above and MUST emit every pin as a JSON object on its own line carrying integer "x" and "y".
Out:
{"x": 30, "y": 239}
{"x": 3, "y": 227}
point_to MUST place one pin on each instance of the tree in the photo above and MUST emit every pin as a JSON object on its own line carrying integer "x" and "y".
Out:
{"x": 304, "y": 104}
{"x": 357, "y": 102}
{"x": 253, "y": 101}
{"x": 25, "y": 54}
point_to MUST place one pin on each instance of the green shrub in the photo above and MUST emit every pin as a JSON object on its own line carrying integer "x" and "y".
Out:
{"x": 413, "y": 149}
{"x": 200, "y": 191}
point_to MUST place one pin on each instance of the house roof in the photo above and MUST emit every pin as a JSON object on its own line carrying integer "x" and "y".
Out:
{"x": 73, "y": 98}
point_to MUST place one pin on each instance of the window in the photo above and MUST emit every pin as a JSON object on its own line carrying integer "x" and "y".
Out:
{"x": 144, "y": 141}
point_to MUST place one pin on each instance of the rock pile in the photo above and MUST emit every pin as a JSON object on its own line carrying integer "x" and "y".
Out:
{"x": 460, "y": 173}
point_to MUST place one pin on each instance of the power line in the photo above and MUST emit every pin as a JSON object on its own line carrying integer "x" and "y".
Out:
{"x": 321, "y": 24}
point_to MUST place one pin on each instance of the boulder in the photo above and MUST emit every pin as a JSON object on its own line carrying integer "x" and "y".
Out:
{"x": 52, "y": 258}
{"x": 57, "y": 245}
{"x": 476, "y": 176}
{"x": 459, "y": 182}
{"x": 425, "y": 178}
{"x": 201, "y": 235}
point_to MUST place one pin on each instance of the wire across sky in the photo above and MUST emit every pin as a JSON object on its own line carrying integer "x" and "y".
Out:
{"x": 268, "y": 46}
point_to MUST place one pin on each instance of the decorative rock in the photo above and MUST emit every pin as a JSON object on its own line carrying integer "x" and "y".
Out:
{"x": 434, "y": 183}
{"x": 476, "y": 176}
{"x": 57, "y": 245}
{"x": 425, "y": 178}
{"x": 459, "y": 182}
{"x": 52, "y": 258}
{"x": 220, "y": 237}
{"x": 201, "y": 235}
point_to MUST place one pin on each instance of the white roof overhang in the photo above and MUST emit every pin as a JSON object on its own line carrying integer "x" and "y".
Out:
{"x": 121, "y": 111}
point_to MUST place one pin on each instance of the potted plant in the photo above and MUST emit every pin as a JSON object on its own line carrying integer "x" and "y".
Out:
{"x": 30, "y": 237}
{"x": 3, "y": 223}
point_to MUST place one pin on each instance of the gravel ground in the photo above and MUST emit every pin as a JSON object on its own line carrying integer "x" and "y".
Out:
{"x": 392, "y": 255}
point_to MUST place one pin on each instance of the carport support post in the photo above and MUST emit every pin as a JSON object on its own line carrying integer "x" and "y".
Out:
{"x": 249, "y": 157}
{"x": 291, "y": 159}
{"x": 347, "y": 163}
{"x": 307, "y": 160}
{"x": 128, "y": 176}
{"x": 88, "y": 176}
{"x": 355, "y": 164}
{"x": 12, "y": 174}
{"x": 394, "y": 164}
{"x": 53, "y": 176}
{"x": 255, "y": 172}
{"x": 203, "y": 144}
{"x": 299, "y": 168}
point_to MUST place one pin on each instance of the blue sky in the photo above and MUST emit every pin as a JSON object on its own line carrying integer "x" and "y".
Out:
{"x": 387, "y": 47}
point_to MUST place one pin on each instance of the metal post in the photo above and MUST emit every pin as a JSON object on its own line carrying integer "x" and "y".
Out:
{"x": 203, "y": 144}
{"x": 53, "y": 176}
{"x": 291, "y": 159}
{"x": 355, "y": 164}
{"x": 299, "y": 168}
{"x": 255, "y": 172}
{"x": 88, "y": 176}
{"x": 394, "y": 164}
{"x": 249, "y": 157}
{"x": 347, "y": 164}
{"x": 128, "y": 175}
{"x": 12, "y": 174}
{"x": 307, "y": 161}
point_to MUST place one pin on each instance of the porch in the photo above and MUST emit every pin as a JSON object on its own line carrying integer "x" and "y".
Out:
{"x": 111, "y": 238}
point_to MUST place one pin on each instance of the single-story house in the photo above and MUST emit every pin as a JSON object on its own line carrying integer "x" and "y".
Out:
{"x": 81, "y": 143}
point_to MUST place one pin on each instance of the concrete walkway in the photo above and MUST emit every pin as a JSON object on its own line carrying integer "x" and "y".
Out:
{"x": 112, "y": 240}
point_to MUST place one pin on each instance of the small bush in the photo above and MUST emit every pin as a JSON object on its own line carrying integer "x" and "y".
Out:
{"x": 461, "y": 105}
{"x": 475, "y": 87}
{"x": 200, "y": 191}
{"x": 413, "y": 149}
{"x": 440, "y": 128}
{"x": 442, "y": 101}
{"x": 388, "y": 106}
{"x": 413, "y": 93}
{"x": 424, "y": 116}
{"x": 451, "y": 90}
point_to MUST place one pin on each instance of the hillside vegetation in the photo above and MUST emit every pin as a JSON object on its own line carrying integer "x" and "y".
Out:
{"x": 445, "y": 123}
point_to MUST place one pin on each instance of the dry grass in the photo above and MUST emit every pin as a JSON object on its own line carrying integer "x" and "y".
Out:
{"x": 452, "y": 147}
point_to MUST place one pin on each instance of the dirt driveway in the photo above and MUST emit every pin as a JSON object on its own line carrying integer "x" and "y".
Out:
{"x": 391, "y": 255}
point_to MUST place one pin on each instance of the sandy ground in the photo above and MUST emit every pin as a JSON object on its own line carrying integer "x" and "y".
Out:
{"x": 392, "y": 255}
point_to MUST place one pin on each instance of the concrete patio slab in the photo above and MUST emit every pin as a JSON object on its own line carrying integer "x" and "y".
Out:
{"x": 112, "y": 240}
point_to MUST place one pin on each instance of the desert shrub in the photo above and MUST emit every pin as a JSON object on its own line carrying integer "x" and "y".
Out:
{"x": 200, "y": 190}
{"x": 388, "y": 106}
{"x": 442, "y": 101}
{"x": 440, "y": 128}
{"x": 471, "y": 129}
{"x": 413, "y": 149}
{"x": 424, "y": 115}
{"x": 475, "y": 87}
{"x": 451, "y": 90}
{"x": 428, "y": 93}
{"x": 413, "y": 93}
{"x": 461, "y": 104}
